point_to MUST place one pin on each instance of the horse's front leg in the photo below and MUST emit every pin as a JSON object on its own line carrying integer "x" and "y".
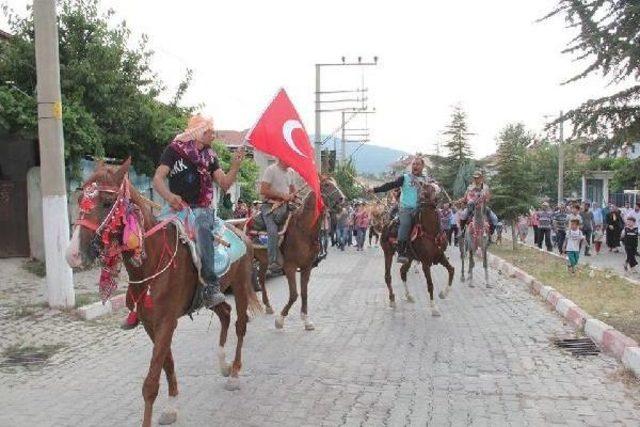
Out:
{"x": 388, "y": 259}
{"x": 163, "y": 333}
{"x": 305, "y": 275}
{"x": 290, "y": 273}
{"x": 404, "y": 269}
{"x": 427, "y": 273}
{"x": 241, "y": 329}
{"x": 224, "y": 314}
{"x": 485, "y": 265}
{"x": 445, "y": 262}
{"x": 472, "y": 263}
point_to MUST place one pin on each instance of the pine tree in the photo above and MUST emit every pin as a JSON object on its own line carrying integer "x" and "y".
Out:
{"x": 457, "y": 146}
{"x": 512, "y": 192}
{"x": 608, "y": 39}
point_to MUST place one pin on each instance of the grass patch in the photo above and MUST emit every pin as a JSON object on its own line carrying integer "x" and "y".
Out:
{"x": 35, "y": 267}
{"x": 606, "y": 296}
{"x": 27, "y": 310}
{"x": 26, "y": 355}
{"x": 87, "y": 298}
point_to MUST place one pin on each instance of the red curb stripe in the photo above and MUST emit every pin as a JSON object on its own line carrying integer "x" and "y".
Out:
{"x": 615, "y": 342}
{"x": 577, "y": 317}
{"x": 553, "y": 298}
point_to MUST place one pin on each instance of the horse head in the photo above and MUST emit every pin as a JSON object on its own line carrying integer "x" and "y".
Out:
{"x": 96, "y": 204}
{"x": 332, "y": 196}
{"x": 429, "y": 195}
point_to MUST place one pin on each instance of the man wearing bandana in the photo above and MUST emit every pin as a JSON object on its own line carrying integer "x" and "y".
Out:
{"x": 191, "y": 167}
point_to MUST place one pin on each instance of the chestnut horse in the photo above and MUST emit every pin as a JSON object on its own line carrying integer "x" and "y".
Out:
{"x": 476, "y": 237}
{"x": 169, "y": 275}
{"x": 428, "y": 248}
{"x": 300, "y": 249}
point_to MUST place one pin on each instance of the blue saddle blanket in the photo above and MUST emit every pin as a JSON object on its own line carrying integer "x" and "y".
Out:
{"x": 224, "y": 256}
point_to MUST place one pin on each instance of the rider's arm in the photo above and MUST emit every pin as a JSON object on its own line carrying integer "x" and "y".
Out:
{"x": 268, "y": 193}
{"x": 389, "y": 185}
{"x": 161, "y": 187}
{"x": 226, "y": 180}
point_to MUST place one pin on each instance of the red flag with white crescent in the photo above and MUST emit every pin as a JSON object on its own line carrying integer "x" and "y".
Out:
{"x": 280, "y": 133}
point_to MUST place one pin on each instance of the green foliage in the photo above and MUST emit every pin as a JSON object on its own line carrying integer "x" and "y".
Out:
{"x": 248, "y": 175}
{"x": 463, "y": 178}
{"x": 608, "y": 41}
{"x": 544, "y": 158}
{"x": 458, "y": 149}
{"x": 109, "y": 92}
{"x": 345, "y": 177}
{"x": 512, "y": 186}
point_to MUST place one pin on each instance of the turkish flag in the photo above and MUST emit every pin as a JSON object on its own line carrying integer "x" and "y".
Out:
{"x": 280, "y": 132}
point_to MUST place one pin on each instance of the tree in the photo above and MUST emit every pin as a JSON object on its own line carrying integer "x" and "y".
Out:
{"x": 109, "y": 92}
{"x": 544, "y": 158}
{"x": 512, "y": 193}
{"x": 457, "y": 145}
{"x": 463, "y": 178}
{"x": 608, "y": 40}
{"x": 345, "y": 177}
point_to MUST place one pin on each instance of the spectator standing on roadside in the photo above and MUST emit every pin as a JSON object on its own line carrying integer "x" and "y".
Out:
{"x": 572, "y": 244}
{"x": 630, "y": 242}
{"x": 597, "y": 238}
{"x": 545, "y": 217}
{"x": 560, "y": 225}
{"x": 361, "y": 224}
{"x": 587, "y": 227}
{"x": 614, "y": 227}
{"x": 342, "y": 228}
{"x": 523, "y": 227}
{"x": 445, "y": 220}
{"x": 534, "y": 224}
{"x": 453, "y": 226}
{"x": 634, "y": 213}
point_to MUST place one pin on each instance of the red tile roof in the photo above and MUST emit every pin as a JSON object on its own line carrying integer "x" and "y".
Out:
{"x": 231, "y": 137}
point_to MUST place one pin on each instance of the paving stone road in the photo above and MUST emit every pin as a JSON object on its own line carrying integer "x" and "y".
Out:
{"x": 487, "y": 361}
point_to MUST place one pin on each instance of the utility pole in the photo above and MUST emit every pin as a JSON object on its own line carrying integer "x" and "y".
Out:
{"x": 318, "y": 103}
{"x": 343, "y": 143}
{"x": 561, "y": 161}
{"x": 52, "y": 180}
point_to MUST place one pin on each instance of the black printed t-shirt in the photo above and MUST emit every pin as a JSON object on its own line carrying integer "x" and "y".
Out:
{"x": 183, "y": 175}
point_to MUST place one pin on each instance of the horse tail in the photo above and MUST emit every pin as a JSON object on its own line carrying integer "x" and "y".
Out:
{"x": 254, "y": 306}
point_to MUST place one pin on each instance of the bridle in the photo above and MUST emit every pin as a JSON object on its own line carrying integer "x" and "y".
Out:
{"x": 330, "y": 197}
{"x": 88, "y": 204}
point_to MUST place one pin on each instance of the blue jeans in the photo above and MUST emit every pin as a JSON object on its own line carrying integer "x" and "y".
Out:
{"x": 272, "y": 231}
{"x": 342, "y": 231}
{"x": 406, "y": 217}
{"x": 204, "y": 224}
{"x": 360, "y": 236}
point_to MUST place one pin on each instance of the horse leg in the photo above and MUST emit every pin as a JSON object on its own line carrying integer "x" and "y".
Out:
{"x": 485, "y": 265}
{"x": 305, "y": 275}
{"x": 262, "y": 279}
{"x": 445, "y": 262}
{"x": 290, "y": 272}
{"x": 404, "y": 269}
{"x": 241, "y": 329}
{"x": 162, "y": 343}
{"x": 224, "y": 314}
{"x": 388, "y": 259}
{"x": 472, "y": 263}
{"x": 427, "y": 273}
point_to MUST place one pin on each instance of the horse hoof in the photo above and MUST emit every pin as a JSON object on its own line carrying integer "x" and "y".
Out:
{"x": 225, "y": 370}
{"x": 268, "y": 309}
{"x": 488, "y": 285}
{"x": 279, "y": 321}
{"x": 233, "y": 384}
{"x": 435, "y": 312}
{"x": 168, "y": 416}
{"x": 471, "y": 285}
{"x": 392, "y": 304}
{"x": 309, "y": 326}
{"x": 410, "y": 298}
{"x": 442, "y": 295}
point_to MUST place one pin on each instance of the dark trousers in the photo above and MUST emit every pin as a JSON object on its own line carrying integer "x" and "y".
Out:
{"x": 536, "y": 235}
{"x": 587, "y": 238}
{"x": 544, "y": 234}
{"x": 561, "y": 235}
{"x": 631, "y": 250}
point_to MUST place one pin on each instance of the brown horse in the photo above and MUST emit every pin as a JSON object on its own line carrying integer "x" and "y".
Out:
{"x": 428, "y": 248}
{"x": 168, "y": 274}
{"x": 300, "y": 249}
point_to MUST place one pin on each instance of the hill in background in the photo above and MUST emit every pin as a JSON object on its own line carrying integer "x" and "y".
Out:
{"x": 368, "y": 159}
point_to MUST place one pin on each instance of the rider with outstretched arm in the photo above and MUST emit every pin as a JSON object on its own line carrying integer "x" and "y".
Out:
{"x": 410, "y": 184}
{"x": 192, "y": 167}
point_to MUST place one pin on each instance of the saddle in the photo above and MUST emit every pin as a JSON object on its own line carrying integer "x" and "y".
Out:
{"x": 416, "y": 232}
{"x": 256, "y": 230}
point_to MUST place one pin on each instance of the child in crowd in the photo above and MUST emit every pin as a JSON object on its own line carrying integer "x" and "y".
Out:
{"x": 572, "y": 244}
{"x": 629, "y": 239}
{"x": 598, "y": 237}
{"x": 523, "y": 228}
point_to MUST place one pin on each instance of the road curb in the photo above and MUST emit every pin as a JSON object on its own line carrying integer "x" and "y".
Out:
{"x": 97, "y": 309}
{"x": 612, "y": 341}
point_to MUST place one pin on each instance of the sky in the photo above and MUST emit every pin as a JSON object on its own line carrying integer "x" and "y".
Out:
{"x": 491, "y": 57}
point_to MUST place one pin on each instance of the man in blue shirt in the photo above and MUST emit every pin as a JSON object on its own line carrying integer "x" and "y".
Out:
{"x": 410, "y": 184}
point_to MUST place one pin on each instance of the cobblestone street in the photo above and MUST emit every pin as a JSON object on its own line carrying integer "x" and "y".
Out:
{"x": 487, "y": 361}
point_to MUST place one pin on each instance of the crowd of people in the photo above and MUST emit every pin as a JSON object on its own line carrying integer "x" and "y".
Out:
{"x": 580, "y": 228}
